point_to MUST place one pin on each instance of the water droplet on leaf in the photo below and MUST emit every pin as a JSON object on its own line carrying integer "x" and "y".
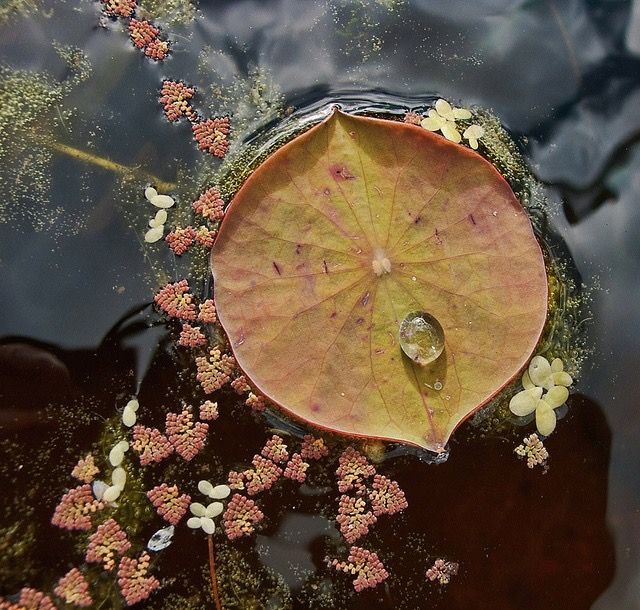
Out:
{"x": 421, "y": 337}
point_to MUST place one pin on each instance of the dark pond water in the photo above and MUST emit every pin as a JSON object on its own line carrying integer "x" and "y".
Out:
{"x": 79, "y": 335}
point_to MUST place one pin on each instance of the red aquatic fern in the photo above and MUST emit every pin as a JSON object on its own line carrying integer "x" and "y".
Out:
{"x": 157, "y": 50}
{"x": 85, "y": 470}
{"x": 119, "y": 8}
{"x": 386, "y": 497}
{"x": 174, "y": 97}
{"x": 74, "y": 510}
{"x": 236, "y": 479}
{"x": 191, "y": 336}
{"x": 212, "y": 135}
{"x": 262, "y": 476}
{"x": 215, "y": 370}
{"x": 413, "y": 118}
{"x": 169, "y": 503}
{"x": 176, "y": 301}
{"x": 442, "y": 571}
{"x": 187, "y": 437}
{"x": 240, "y": 517}
{"x": 210, "y": 205}
{"x": 354, "y": 518}
{"x": 313, "y": 448}
{"x": 353, "y": 469}
{"x": 207, "y": 312}
{"x": 296, "y": 468}
{"x": 534, "y": 450}
{"x": 142, "y": 33}
{"x": 135, "y": 585}
{"x": 180, "y": 239}
{"x": 257, "y": 403}
{"x": 208, "y": 410}
{"x": 240, "y": 385}
{"x": 275, "y": 450}
{"x": 151, "y": 444}
{"x": 364, "y": 565}
{"x": 105, "y": 543}
{"x": 205, "y": 236}
{"x": 73, "y": 588}
{"x": 30, "y": 599}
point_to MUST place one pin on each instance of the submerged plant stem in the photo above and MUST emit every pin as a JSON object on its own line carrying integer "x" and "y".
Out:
{"x": 108, "y": 164}
{"x": 212, "y": 573}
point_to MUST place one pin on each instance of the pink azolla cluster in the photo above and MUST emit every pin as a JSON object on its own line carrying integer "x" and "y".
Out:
{"x": 169, "y": 503}
{"x": 207, "y": 312}
{"x": 187, "y": 437}
{"x": 135, "y": 585}
{"x": 74, "y": 510}
{"x": 240, "y": 517}
{"x": 85, "y": 470}
{"x": 174, "y": 97}
{"x": 180, "y": 239}
{"x": 205, "y": 236}
{"x": 354, "y": 518}
{"x": 191, "y": 336}
{"x": 212, "y": 135}
{"x": 313, "y": 448}
{"x": 296, "y": 469}
{"x": 73, "y": 588}
{"x": 176, "y": 301}
{"x": 119, "y": 8}
{"x": 534, "y": 450}
{"x": 257, "y": 479}
{"x": 386, "y": 497}
{"x": 240, "y": 385}
{"x": 105, "y": 543}
{"x": 413, "y": 118}
{"x": 208, "y": 410}
{"x": 144, "y": 36}
{"x": 214, "y": 370}
{"x": 257, "y": 403}
{"x": 151, "y": 444}
{"x": 275, "y": 450}
{"x": 30, "y": 599}
{"x": 353, "y": 470}
{"x": 209, "y": 205}
{"x": 442, "y": 571}
{"x": 364, "y": 565}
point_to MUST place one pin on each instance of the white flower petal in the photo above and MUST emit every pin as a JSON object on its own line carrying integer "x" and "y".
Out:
{"x": 150, "y": 193}
{"x": 116, "y": 455}
{"x": 204, "y": 487}
{"x": 220, "y": 492}
{"x": 153, "y": 223}
{"x": 539, "y": 370}
{"x": 443, "y": 108}
{"x": 527, "y": 384}
{"x": 197, "y": 509}
{"x": 213, "y": 510}
{"x": 123, "y": 446}
{"x": 129, "y": 417}
{"x": 194, "y": 523}
{"x": 461, "y": 113}
{"x": 432, "y": 123}
{"x": 450, "y": 132}
{"x": 545, "y": 418}
{"x": 562, "y": 378}
{"x": 111, "y": 494}
{"x": 154, "y": 234}
{"x": 162, "y": 201}
{"x": 473, "y": 143}
{"x": 98, "y": 488}
{"x": 133, "y": 404}
{"x": 119, "y": 477}
{"x": 556, "y": 396}
{"x": 557, "y": 366}
{"x": 524, "y": 402}
{"x": 161, "y": 217}
{"x": 207, "y": 525}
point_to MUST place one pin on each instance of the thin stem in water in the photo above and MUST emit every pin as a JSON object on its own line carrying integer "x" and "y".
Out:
{"x": 212, "y": 573}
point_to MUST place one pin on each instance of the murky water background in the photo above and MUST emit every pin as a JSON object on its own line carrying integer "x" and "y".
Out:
{"x": 563, "y": 75}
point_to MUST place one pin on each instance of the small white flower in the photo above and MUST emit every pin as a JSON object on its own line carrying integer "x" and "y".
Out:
{"x": 219, "y": 492}
{"x": 159, "y": 219}
{"x": 203, "y": 516}
{"x": 473, "y": 133}
{"x": 154, "y": 234}
{"x": 444, "y": 118}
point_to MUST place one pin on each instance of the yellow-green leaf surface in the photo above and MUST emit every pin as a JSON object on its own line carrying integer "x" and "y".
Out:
{"x": 313, "y": 320}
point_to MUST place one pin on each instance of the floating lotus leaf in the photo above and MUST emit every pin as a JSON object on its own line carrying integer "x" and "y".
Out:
{"x": 343, "y": 232}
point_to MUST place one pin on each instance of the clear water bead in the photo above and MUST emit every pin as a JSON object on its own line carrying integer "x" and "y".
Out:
{"x": 161, "y": 539}
{"x": 421, "y": 337}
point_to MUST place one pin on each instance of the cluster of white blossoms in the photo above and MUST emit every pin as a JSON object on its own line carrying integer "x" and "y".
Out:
{"x": 443, "y": 119}
{"x": 203, "y": 516}
{"x": 163, "y": 202}
{"x": 545, "y": 389}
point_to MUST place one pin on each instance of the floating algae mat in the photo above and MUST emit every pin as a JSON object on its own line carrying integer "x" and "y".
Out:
{"x": 284, "y": 328}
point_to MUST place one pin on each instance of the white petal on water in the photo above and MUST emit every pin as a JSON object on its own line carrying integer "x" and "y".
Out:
{"x": 194, "y": 523}
{"x": 557, "y": 366}
{"x": 539, "y": 370}
{"x": 556, "y": 396}
{"x": 527, "y": 384}
{"x": 213, "y": 510}
{"x": 161, "y": 217}
{"x": 473, "y": 143}
{"x": 208, "y": 525}
{"x": 525, "y": 402}
{"x": 153, "y": 235}
{"x": 119, "y": 477}
{"x": 204, "y": 487}
{"x": 153, "y": 223}
{"x": 116, "y": 455}
{"x": 562, "y": 378}
{"x": 220, "y": 492}
{"x": 161, "y": 539}
{"x": 432, "y": 123}
{"x": 461, "y": 113}
{"x": 133, "y": 404}
{"x": 99, "y": 487}
{"x": 450, "y": 132}
{"x": 129, "y": 417}
{"x": 443, "y": 108}
{"x": 112, "y": 493}
{"x": 545, "y": 418}
{"x": 150, "y": 193}
{"x": 162, "y": 201}
{"x": 474, "y": 132}
{"x": 197, "y": 509}
{"x": 123, "y": 445}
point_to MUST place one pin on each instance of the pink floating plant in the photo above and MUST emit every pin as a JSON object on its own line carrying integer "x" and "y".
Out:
{"x": 207, "y": 312}
{"x": 442, "y": 571}
{"x": 151, "y": 444}
{"x": 30, "y": 599}
{"x": 85, "y": 470}
{"x": 296, "y": 468}
{"x": 209, "y": 205}
{"x": 262, "y": 476}
{"x": 191, "y": 336}
{"x": 105, "y": 543}
{"x": 74, "y": 510}
{"x": 73, "y": 588}
{"x": 180, "y": 239}
{"x": 187, "y": 437}
{"x": 215, "y": 370}
{"x": 169, "y": 503}
{"x": 174, "y": 97}
{"x": 208, "y": 410}
{"x": 133, "y": 580}
{"x": 176, "y": 301}
{"x": 257, "y": 403}
{"x": 240, "y": 385}
{"x": 212, "y": 135}
{"x": 354, "y": 518}
{"x": 119, "y": 8}
{"x": 157, "y": 49}
{"x": 413, "y": 118}
{"x": 142, "y": 33}
{"x": 240, "y": 517}
{"x": 313, "y": 448}
{"x": 205, "y": 236}
{"x": 353, "y": 469}
{"x": 386, "y": 497}
{"x": 275, "y": 450}
{"x": 364, "y": 565}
